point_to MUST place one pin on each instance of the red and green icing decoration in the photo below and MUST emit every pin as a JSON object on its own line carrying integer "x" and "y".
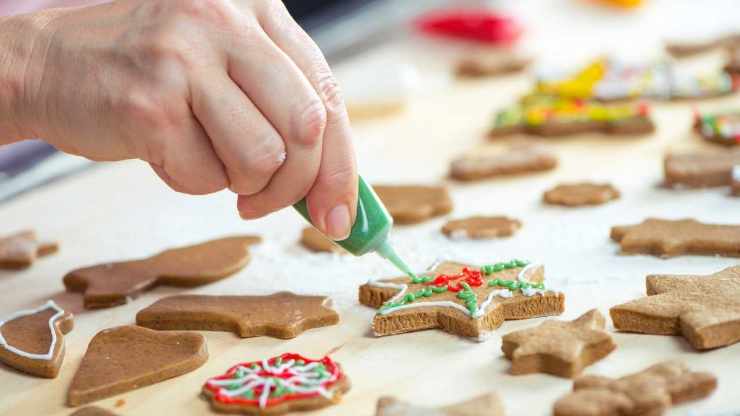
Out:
{"x": 463, "y": 283}
{"x": 263, "y": 384}
{"x": 723, "y": 128}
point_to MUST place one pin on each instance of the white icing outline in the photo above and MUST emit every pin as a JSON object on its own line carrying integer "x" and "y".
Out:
{"x": 47, "y": 356}
{"x": 504, "y": 293}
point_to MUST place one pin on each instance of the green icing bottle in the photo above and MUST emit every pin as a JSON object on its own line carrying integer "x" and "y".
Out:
{"x": 371, "y": 228}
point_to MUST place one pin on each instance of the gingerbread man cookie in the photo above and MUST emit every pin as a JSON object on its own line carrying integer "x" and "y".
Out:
{"x": 411, "y": 204}
{"x": 720, "y": 128}
{"x": 112, "y": 284}
{"x": 560, "y": 348}
{"x": 668, "y": 238}
{"x": 21, "y": 249}
{"x": 700, "y": 170}
{"x": 314, "y": 240}
{"x": 481, "y": 227}
{"x": 281, "y": 315}
{"x": 129, "y": 357}
{"x": 649, "y": 392}
{"x": 579, "y": 194}
{"x": 704, "y": 309}
{"x": 32, "y": 340}
{"x": 282, "y": 384}
{"x": 491, "y": 162}
{"x": 484, "y": 405}
{"x": 461, "y": 299}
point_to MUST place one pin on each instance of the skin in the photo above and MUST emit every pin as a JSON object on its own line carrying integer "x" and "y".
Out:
{"x": 213, "y": 94}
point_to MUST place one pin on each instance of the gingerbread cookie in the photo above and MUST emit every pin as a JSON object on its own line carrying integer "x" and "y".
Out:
{"x": 92, "y": 411}
{"x": 461, "y": 299}
{"x": 287, "y": 383}
{"x": 704, "y": 309}
{"x": 579, "y": 194}
{"x": 685, "y": 48}
{"x": 560, "y": 348}
{"x": 312, "y": 239}
{"x": 128, "y": 357}
{"x": 649, "y": 392}
{"x": 281, "y": 315}
{"x": 732, "y": 66}
{"x": 485, "y": 405}
{"x": 21, "y": 249}
{"x": 112, "y": 284}
{"x": 491, "y": 162}
{"x": 546, "y": 116}
{"x": 736, "y": 180}
{"x": 668, "y": 238}
{"x": 481, "y": 227}
{"x": 32, "y": 340}
{"x": 700, "y": 170}
{"x": 720, "y": 128}
{"x": 411, "y": 204}
{"x": 491, "y": 64}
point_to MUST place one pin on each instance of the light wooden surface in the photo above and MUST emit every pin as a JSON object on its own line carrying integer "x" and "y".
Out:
{"x": 120, "y": 211}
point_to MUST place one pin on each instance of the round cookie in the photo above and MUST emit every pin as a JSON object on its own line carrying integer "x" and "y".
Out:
{"x": 480, "y": 227}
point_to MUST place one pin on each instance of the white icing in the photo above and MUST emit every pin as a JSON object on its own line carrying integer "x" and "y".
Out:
{"x": 736, "y": 173}
{"x": 46, "y": 356}
{"x": 504, "y": 293}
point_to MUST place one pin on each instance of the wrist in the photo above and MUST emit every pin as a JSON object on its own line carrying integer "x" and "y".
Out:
{"x": 24, "y": 40}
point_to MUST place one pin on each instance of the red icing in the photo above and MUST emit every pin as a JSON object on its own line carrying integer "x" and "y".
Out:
{"x": 453, "y": 281}
{"x": 477, "y": 25}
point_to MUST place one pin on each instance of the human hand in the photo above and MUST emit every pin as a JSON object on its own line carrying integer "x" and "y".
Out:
{"x": 212, "y": 94}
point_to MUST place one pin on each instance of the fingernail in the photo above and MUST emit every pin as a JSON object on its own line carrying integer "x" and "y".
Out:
{"x": 338, "y": 222}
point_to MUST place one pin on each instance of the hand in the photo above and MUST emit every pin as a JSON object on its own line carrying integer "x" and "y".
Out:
{"x": 212, "y": 94}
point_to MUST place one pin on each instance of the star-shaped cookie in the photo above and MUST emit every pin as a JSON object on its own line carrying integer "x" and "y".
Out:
{"x": 704, "y": 309}
{"x": 561, "y": 348}
{"x": 112, "y": 284}
{"x": 411, "y": 204}
{"x": 21, "y": 249}
{"x": 479, "y": 227}
{"x": 281, "y": 315}
{"x": 485, "y": 405}
{"x": 649, "y": 392}
{"x": 461, "y": 299}
{"x": 668, "y": 238}
{"x": 580, "y": 194}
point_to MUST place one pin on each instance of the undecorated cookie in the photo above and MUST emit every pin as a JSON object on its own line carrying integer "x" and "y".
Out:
{"x": 411, "y": 204}
{"x": 649, "y": 392}
{"x": 129, "y": 357}
{"x": 579, "y": 194}
{"x": 92, "y": 411}
{"x": 32, "y": 340}
{"x": 700, "y": 170}
{"x": 21, "y": 249}
{"x": 720, "y": 128}
{"x": 480, "y": 65}
{"x": 314, "y": 240}
{"x": 281, "y": 315}
{"x": 560, "y": 348}
{"x": 704, "y": 309}
{"x": 461, "y": 299}
{"x": 685, "y": 48}
{"x": 484, "y": 405}
{"x": 287, "y": 383}
{"x": 481, "y": 227}
{"x": 668, "y": 238}
{"x": 112, "y": 284}
{"x": 732, "y": 66}
{"x": 491, "y": 162}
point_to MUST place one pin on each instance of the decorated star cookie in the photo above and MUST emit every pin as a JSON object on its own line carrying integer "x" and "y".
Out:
{"x": 704, "y": 309}
{"x": 411, "y": 204}
{"x": 485, "y": 405}
{"x": 21, "y": 249}
{"x": 287, "y": 383}
{"x": 736, "y": 180}
{"x": 281, "y": 315}
{"x": 129, "y": 357}
{"x": 499, "y": 62}
{"x": 668, "y": 238}
{"x": 547, "y": 116}
{"x": 721, "y": 128}
{"x": 561, "y": 348}
{"x": 494, "y": 161}
{"x": 700, "y": 170}
{"x": 649, "y": 392}
{"x": 112, "y": 284}
{"x": 461, "y": 299}
{"x": 32, "y": 340}
{"x": 312, "y": 239}
{"x": 92, "y": 411}
{"x": 481, "y": 227}
{"x": 578, "y": 194}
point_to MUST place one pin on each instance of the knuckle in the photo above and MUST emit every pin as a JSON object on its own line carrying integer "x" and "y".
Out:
{"x": 313, "y": 119}
{"x": 330, "y": 92}
{"x": 340, "y": 178}
{"x": 216, "y": 11}
{"x": 147, "y": 109}
{"x": 263, "y": 160}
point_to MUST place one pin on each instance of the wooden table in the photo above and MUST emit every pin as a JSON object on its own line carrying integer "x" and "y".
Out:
{"x": 120, "y": 211}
